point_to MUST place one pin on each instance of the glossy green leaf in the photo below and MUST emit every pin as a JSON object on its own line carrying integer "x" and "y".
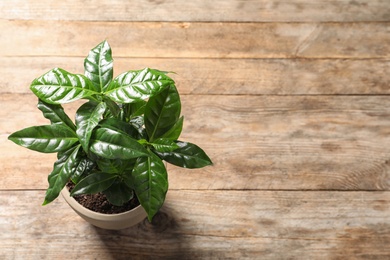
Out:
{"x": 114, "y": 108}
{"x": 175, "y": 131}
{"x": 55, "y": 113}
{"x": 87, "y": 118}
{"x": 99, "y": 66}
{"x": 112, "y": 144}
{"x": 118, "y": 193}
{"x": 64, "y": 167}
{"x": 133, "y": 86}
{"x": 164, "y": 145}
{"x": 84, "y": 167}
{"x": 94, "y": 183}
{"x": 117, "y": 124}
{"x": 59, "y": 86}
{"x": 134, "y": 109}
{"x": 162, "y": 111}
{"x": 46, "y": 138}
{"x": 115, "y": 166}
{"x": 188, "y": 155}
{"x": 150, "y": 183}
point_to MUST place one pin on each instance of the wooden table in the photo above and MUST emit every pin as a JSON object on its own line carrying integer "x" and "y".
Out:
{"x": 291, "y": 100}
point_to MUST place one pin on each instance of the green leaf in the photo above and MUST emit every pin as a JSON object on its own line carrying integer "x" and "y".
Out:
{"x": 162, "y": 111}
{"x": 59, "y": 86}
{"x": 118, "y": 193}
{"x": 64, "y": 167}
{"x": 134, "y": 109}
{"x": 84, "y": 167}
{"x": 175, "y": 131}
{"x": 164, "y": 145}
{"x": 99, "y": 66}
{"x": 150, "y": 183}
{"x": 114, "y": 108}
{"x": 133, "y": 86}
{"x": 115, "y": 165}
{"x": 87, "y": 118}
{"x": 117, "y": 124}
{"x": 55, "y": 113}
{"x": 94, "y": 183}
{"x": 112, "y": 144}
{"x": 46, "y": 138}
{"x": 188, "y": 155}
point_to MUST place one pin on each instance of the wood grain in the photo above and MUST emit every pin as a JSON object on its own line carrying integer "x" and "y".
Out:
{"x": 207, "y": 224}
{"x": 197, "y": 10}
{"x": 257, "y": 142}
{"x": 193, "y": 40}
{"x": 209, "y": 76}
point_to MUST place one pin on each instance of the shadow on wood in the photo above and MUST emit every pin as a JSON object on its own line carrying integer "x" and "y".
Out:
{"x": 161, "y": 237}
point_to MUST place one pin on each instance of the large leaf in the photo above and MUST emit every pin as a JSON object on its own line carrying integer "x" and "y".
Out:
{"x": 63, "y": 169}
{"x": 87, "y": 118}
{"x": 94, "y": 183}
{"x": 46, "y": 138}
{"x": 99, "y": 66}
{"x": 59, "y": 86}
{"x": 162, "y": 111}
{"x": 118, "y": 193}
{"x": 188, "y": 155}
{"x": 133, "y": 86}
{"x": 150, "y": 183}
{"x": 113, "y": 144}
{"x": 55, "y": 113}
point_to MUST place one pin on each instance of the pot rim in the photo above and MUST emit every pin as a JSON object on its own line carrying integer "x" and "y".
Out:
{"x": 97, "y": 215}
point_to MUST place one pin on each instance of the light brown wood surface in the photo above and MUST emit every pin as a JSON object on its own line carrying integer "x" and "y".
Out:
{"x": 291, "y": 100}
{"x": 199, "y": 10}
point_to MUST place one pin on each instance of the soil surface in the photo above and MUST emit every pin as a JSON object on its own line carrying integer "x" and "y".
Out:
{"x": 99, "y": 203}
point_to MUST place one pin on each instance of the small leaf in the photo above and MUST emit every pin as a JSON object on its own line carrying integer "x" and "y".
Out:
{"x": 134, "y": 109}
{"x": 114, "y": 108}
{"x": 133, "y": 86}
{"x": 99, "y": 66}
{"x": 117, "y": 124}
{"x": 46, "y": 138}
{"x": 162, "y": 111}
{"x": 84, "y": 167}
{"x": 175, "y": 131}
{"x": 93, "y": 183}
{"x": 87, "y": 118}
{"x": 63, "y": 169}
{"x": 150, "y": 183}
{"x": 112, "y": 144}
{"x": 188, "y": 155}
{"x": 118, "y": 193}
{"x": 59, "y": 86}
{"x": 114, "y": 166}
{"x": 55, "y": 113}
{"x": 164, "y": 145}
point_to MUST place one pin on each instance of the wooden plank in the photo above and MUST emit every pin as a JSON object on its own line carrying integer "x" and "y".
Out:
{"x": 198, "y": 10}
{"x": 256, "y": 142}
{"x": 208, "y": 76}
{"x": 207, "y": 224}
{"x": 193, "y": 40}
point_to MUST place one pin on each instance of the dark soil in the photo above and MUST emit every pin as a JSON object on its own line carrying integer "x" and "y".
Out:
{"x": 99, "y": 203}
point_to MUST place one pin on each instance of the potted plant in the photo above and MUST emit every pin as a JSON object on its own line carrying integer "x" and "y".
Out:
{"x": 122, "y": 133}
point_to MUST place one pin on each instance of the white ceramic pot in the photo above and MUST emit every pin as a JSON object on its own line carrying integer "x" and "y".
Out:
{"x": 106, "y": 221}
